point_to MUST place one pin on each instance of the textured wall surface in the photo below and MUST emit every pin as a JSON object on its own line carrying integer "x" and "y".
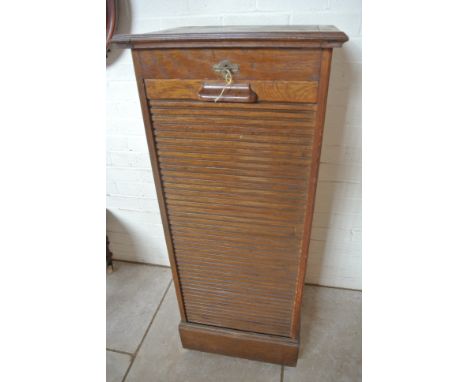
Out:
{"x": 133, "y": 221}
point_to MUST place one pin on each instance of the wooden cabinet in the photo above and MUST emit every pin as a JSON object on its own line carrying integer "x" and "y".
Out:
{"x": 234, "y": 120}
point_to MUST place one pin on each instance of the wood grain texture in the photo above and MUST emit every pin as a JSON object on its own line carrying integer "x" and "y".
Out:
{"x": 232, "y": 249}
{"x": 313, "y": 178}
{"x": 234, "y": 343}
{"x": 272, "y": 91}
{"x": 222, "y": 92}
{"x": 304, "y": 36}
{"x": 236, "y": 181}
{"x": 254, "y": 64}
{"x": 157, "y": 180}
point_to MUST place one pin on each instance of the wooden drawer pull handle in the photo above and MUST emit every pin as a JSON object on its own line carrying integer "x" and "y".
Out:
{"x": 227, "y": 91}
{"x": 223, "y": 92}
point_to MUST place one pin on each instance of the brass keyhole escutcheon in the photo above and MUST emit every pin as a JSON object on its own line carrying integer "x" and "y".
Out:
{"x": 225, "y": 66}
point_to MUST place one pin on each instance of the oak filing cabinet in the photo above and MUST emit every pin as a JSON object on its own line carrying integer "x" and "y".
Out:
{"x": 234, "y": 119}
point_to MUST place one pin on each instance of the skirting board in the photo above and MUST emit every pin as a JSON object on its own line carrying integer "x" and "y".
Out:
{"x": 258, "y": 347}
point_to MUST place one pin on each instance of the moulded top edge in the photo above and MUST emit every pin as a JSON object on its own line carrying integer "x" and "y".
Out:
{"x": 247, "y": 34}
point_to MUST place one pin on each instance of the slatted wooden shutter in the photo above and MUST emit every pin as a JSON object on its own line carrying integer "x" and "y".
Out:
{"x": 235, "y": 180}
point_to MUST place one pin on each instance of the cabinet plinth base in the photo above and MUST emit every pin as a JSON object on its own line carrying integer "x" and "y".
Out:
{"x": 258, "y": 347}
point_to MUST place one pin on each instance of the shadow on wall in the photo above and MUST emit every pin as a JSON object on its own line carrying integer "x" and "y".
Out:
{"x": 120, "y": 239}
{"x": 334, "y": 174}
{"x": 123, "y": 26}
{"x": 137, "y": 235}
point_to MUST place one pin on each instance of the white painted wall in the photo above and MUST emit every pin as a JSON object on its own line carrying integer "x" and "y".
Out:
{"x": 134, "y": 224}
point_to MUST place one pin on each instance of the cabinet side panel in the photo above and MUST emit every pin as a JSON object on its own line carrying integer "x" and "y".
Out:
{"x": 313, "y": 177}
{"x": 157, "y": 179}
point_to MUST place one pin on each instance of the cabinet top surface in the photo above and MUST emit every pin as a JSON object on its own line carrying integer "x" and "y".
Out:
{"x": 320, "y": 35}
